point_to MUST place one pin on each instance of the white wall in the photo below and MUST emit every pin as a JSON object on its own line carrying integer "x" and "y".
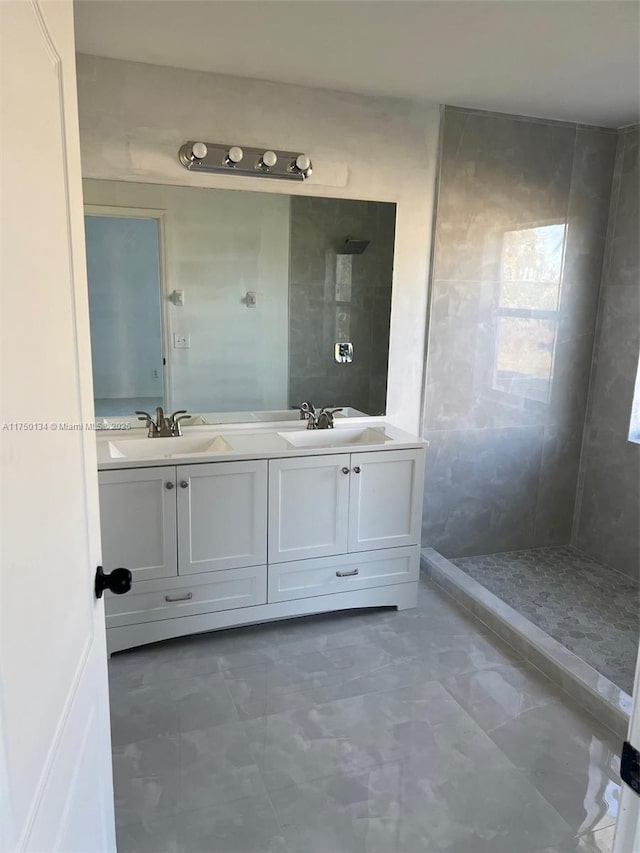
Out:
{"x": 217, "y": 247}
{"x": 134, "y": 117}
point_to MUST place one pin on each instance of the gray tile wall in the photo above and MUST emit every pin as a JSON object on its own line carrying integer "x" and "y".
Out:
{"x": 521, "y": 227}
{"x": 320, "y": 314}
{"x": 607, "y": 523}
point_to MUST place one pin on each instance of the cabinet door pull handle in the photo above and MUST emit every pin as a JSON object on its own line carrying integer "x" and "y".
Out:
{"x": 186, "y": 597}
{"x": 347, "y": 574}
{"x": 357, "y": 469}
{"x": 184, "y": 484}
{"x": 169, "y": 485}
{"x": 345, "y": 470}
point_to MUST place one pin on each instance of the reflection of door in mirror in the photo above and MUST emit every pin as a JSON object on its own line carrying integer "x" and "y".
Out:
{"x": 123, "y": 269}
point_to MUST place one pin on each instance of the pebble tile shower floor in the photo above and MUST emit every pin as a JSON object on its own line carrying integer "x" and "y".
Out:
{"x": 592, "y": 610}
{"x": 367, "y": 732}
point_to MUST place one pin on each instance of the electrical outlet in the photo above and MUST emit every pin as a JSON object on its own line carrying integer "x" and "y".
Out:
{"x": 181, "y": 341}
{"x": 155, "y": 374}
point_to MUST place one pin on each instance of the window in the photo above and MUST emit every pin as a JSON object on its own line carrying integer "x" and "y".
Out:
{"x": 528, "y": 305}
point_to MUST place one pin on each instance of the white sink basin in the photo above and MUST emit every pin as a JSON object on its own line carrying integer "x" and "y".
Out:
{"x": 337, "y": 437}
{"x": 180, "y": 445}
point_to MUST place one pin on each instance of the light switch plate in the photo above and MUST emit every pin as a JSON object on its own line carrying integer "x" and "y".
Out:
{"x": 181, "y": 341}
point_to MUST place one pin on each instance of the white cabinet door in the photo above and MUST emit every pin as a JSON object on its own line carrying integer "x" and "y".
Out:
{"x": 222, "y": 516}
{"x": 308, "y": 507}
{"x": 386, "y": 499}
{"x": 138, "y": 520}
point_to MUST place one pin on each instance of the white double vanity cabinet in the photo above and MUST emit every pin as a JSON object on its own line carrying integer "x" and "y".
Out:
{"x": 238, "y": 526}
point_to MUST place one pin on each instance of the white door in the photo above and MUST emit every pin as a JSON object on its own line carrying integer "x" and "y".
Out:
{"x": 386, "y": 499}
{"x": 627, "y": 837}
{"x": 222, "y": 516}
{"x": 308, "y": 507}
{"x": 55, "y": 763}
{"x": 138, "y": 521}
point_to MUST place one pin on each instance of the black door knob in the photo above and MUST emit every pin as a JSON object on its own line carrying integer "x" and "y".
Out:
{"x": 118, "y": 581}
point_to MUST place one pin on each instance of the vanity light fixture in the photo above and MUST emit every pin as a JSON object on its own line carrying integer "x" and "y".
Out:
{"x": 232, "y": 159}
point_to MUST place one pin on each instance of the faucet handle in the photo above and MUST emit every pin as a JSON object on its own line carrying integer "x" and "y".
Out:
{"x": 174, "y": 416}
{"x": 174, "y": 421}
{"x": 307, "y": 410}
{"x": 325, "y": 418}
{"x": 149, "y": 421}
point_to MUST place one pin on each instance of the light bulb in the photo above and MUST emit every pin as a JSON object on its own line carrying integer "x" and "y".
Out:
{"x": 303, "y": 163}
{"x": 270, "y": 158}
{"x": 199, "y": 150}
{"x": 235, "y": 154}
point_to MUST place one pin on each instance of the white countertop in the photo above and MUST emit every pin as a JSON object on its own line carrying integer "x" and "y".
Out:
{"x": 248, "y": 441}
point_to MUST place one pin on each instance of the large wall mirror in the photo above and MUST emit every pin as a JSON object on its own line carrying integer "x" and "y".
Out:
{"x": 223, "y": 301}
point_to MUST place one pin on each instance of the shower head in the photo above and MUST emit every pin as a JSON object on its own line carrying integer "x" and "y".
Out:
{"x": 354, "y": 247}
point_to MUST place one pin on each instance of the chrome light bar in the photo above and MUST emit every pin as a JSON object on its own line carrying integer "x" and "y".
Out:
{"x": 257, "y": 162}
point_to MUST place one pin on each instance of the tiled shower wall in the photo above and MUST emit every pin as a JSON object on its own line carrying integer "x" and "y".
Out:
{"x": 607, "y": 525}
{"x": 356, "y": 308}
{"x": 521, "y": 225}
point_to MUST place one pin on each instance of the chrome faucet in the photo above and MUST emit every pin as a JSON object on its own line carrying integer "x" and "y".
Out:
{"x": 325, "y": 418}
{"x": 163, "y": 426}
{"x": 322, "y": 419}
{"x": 306, "y": 409}
{"x": 308, "y": 414}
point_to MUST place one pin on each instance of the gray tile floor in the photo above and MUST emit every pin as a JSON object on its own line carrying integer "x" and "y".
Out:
{"x": 366, "y": 732}
{"x": 592, "y": 610}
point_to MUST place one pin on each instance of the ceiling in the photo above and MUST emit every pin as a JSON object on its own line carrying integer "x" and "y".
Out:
{"x": 561, "y": 59}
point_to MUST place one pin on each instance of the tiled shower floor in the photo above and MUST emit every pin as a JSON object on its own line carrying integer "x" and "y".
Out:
{"x": 592, "y": 610}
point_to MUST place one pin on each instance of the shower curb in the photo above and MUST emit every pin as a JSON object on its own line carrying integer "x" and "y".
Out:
{"x": 595, "y": 693}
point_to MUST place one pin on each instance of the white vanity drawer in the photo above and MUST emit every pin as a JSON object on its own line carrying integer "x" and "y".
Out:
{"x": 325, "y": 575}
{"x": 149, "y": 601}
